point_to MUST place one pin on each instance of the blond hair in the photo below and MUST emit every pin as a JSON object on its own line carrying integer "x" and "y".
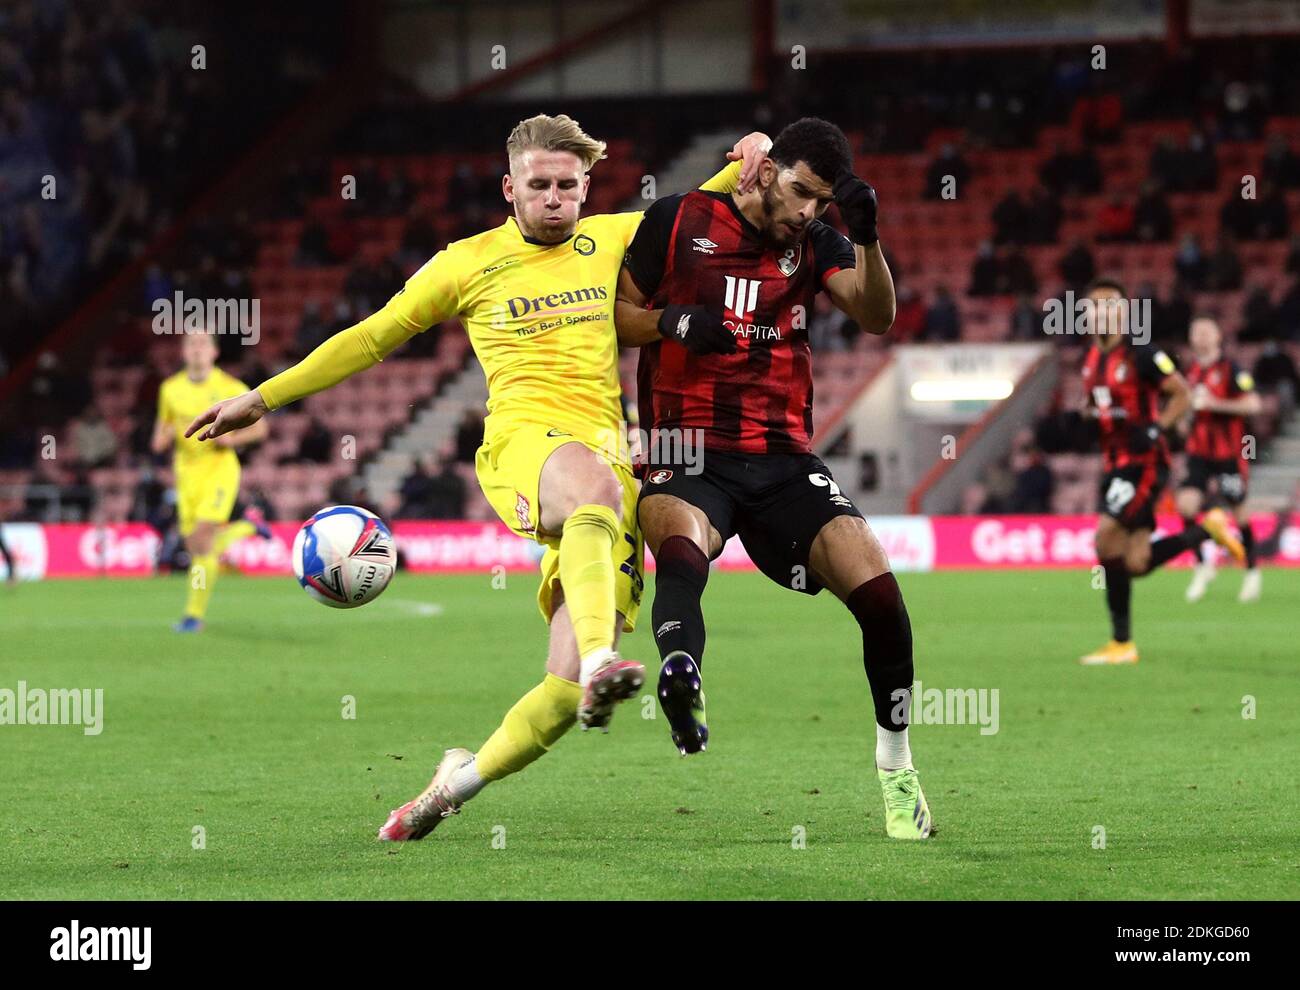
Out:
{"x": 558, "y": 133}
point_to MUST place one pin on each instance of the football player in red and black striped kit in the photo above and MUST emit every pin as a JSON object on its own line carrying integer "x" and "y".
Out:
{"x": 1124, "y": 383}
{"x": 716, "y": 289}
{"x": 1223, "y": 395}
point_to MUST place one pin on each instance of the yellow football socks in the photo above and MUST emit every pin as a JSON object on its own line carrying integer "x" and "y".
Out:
{"x": 203, "y": 575}
{"x": 530, "y": 728}
{"x": 587, "y": 575}
{"x": 232, "y": 533}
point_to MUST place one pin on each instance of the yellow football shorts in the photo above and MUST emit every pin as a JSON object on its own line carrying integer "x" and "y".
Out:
{"x": 509, "y": 469}
{"x": 206, "y": 494}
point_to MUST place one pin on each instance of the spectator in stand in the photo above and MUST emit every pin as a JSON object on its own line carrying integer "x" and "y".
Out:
{"x": 1097, "y": 118}
{"x": 1243, "y": 113}
{"x": 343, "y": 316}
{"x": 417, "y": 493}
{"x": 984, "y": 272}
{"x": 94, "y": 442}
{"x": 1190, "y": 263}
{"x": 1293, "y": 256}
{"x": 469, "y": 436}
{"x": 1044, "y": 223}
{"x": 1026, "y": 319}
{"x": 314, "y": 245}
{"x": 1176, "y": 314}
{"x": 1275, "y": 373}
{"x": 1237, "y": 216}
{"x": 942, "y": 318}
{"x": 1152, "y": 218}
{"x": 312, "y": 331}
{"x": 949, "y": 163}
{"x": 1166, "y": 165}
{"x": 1272, "y": 222}
{"x": 1288, "y": 313}
{"x": 1016, "y": 274}
{"x": 1281, "y": 165}
{"x": 317, "y": 443}
{"x": 1067, "y": 172}
{"x": 1034, "y": 483}
{"x": 419, "y": 240}
{"x": 909, "y": 316}
{"x": 1259, "y": 318}
{"x": 1077, "y": 266}
{"x": 1010, "y": 219}
{"x": 1200, "y": 166}
{"x": 447, "y": 494}
{"x": 1116, "y": 220}
{"x": 1225, "y": 267}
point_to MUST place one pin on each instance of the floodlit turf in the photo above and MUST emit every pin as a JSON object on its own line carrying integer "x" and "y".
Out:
{"x": 240, "y": 731}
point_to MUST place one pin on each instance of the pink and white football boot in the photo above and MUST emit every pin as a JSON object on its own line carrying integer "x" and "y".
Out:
{"x": 613, "y": 681}
{"x": 416, "y": 819}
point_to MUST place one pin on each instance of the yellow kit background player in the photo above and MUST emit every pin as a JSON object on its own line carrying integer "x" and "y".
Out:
{"x": 536, "y": 296}
{"x": 206, "y": 474}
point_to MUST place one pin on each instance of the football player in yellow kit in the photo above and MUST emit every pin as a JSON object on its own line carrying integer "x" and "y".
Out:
{"x": 207, "y": 475}
{"x": 536, "y": 296}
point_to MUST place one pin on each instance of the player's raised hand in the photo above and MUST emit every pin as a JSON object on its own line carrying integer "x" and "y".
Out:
{"x": 227, "y": 415}
{"x": 858, "y": 208}
{"x": 697, "y": 328}
{"x": 750, "y": 152}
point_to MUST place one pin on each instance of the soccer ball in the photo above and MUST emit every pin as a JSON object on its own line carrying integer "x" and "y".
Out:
{"x": 344, "y": 556}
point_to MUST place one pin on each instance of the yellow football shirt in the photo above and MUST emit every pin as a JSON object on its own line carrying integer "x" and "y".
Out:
{"x": 180, "y": 400}
{"x": 540, "y": 318}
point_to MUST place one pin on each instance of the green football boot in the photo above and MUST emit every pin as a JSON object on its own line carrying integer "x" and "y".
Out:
{"x": 907, "y": 816}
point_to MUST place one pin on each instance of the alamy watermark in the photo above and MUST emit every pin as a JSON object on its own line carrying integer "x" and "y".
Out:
{"x": 953, "y": 706}
{"x": 57, "y": 706}
{"x": 1085, "y": 315}
{"x": 182, "y": 314}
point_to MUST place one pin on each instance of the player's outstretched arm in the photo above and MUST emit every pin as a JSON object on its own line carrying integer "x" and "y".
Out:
{"x": 865, "y": 293}
{"x": 358, "y": 347}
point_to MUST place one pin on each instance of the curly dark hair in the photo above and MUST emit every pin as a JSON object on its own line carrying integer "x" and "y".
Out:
{"x": 818, "y": 143}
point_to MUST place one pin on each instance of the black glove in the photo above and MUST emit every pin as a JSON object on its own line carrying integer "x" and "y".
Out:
{"x": 858, "y": 207}
{"x": 1142, "y": 439}
{"x": 697, "y": 328}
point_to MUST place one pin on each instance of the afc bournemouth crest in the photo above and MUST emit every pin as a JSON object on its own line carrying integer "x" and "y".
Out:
{"x": 1121, "y": 372}
{"x": 659, "y": 477}
{"x": 788, "y": 263}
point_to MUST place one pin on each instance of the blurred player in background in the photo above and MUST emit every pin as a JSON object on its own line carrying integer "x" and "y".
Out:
{"x": 536, "y": 295}
{"x": 731, "y": 279}
{"x": 1223, "y": 395}
{"x": 207, "y": 475}
{"x": 1124, "y": 384}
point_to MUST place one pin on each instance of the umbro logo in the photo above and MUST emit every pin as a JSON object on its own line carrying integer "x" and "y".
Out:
{"x": 703, "y": 244}
{"x": 683, "y": 326}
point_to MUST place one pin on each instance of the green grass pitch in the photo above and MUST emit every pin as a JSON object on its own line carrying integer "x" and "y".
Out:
{"x": 240, "y": 731}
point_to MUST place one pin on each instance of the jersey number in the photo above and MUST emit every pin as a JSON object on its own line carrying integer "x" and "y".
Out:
{"x": 1119, "y": 494}
{"x": 822, "y": 481}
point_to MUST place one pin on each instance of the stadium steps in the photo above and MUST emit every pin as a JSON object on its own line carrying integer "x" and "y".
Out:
{"x": 704, "y": 156}
{"x": 1273, "y": 485}
{"x": 429, "y": 434}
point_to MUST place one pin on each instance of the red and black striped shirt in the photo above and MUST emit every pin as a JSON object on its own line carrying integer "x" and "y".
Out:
{"x": 1215, "y": 435}
{"x": 698, "y": 249}
{"x": 1123, "y": 385}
